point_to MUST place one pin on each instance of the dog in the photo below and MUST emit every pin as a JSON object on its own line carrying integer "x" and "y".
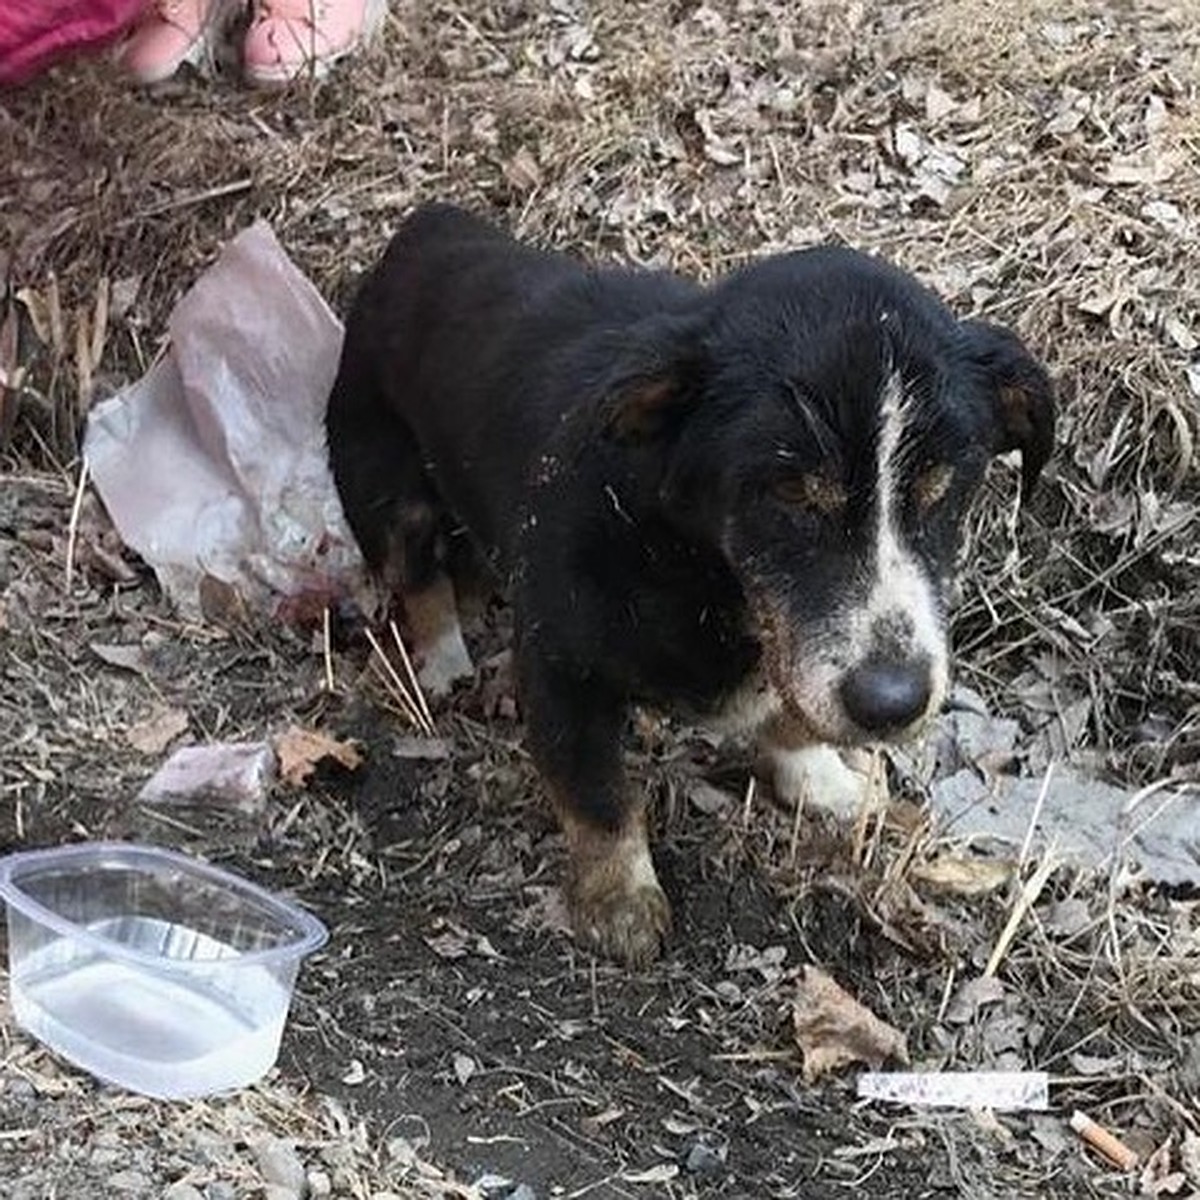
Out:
{"x": 741, "y": 502}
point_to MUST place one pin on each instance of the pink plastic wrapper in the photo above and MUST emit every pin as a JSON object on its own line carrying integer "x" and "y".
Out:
{"x": 214, "y": 464}
{"x": 34, "y": 34}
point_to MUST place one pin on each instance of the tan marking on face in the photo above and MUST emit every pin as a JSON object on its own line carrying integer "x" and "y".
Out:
{"x": 818, "y": 492}
{"x": 932, "y": 485}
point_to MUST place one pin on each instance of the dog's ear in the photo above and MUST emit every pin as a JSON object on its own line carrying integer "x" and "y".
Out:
{"x": 1021, "y": 394}
{"x": 651, "y": 385}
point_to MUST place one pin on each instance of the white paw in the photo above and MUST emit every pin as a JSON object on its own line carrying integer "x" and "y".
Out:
{"x": 818, "y": 778}
{"x": 444, "y": 663}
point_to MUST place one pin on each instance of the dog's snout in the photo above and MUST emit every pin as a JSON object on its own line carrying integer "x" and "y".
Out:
{"x": 883, "y": 696}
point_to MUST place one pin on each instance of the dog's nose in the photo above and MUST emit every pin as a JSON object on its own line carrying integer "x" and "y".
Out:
{"x": 883, "y": 696}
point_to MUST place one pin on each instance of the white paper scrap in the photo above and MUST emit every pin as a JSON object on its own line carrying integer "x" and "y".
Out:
{"x": 1000, "y": 1090}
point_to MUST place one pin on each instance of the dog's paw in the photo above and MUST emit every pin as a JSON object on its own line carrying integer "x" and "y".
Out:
{"x": 618, "y": 908}
{"x": 818, "y": 778}
{"x": 444, "y": 663}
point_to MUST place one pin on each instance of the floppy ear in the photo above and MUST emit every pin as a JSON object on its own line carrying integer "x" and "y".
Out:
{"x": 649, "y": 386}
{"x": 1021, "y": 394}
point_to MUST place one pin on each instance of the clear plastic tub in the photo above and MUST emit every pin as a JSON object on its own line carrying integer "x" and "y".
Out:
{"x": 149, "y": 969}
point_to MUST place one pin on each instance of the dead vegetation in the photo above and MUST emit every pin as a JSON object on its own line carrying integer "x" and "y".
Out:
{"x": 1035, "y": 161}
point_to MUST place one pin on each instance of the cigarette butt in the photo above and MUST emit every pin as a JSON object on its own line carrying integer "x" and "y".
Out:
{"x": 1106, "y": 1143}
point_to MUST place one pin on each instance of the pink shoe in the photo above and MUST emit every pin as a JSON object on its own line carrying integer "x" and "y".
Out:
{"x": 174, "y": 32}
{"x": 291, "y": 38}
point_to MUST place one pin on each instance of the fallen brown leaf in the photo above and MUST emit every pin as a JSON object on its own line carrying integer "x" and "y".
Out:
{"x": 300, "y": 750}
{"x": 962, "y": 876}
{"x": 157, "y": 732}
{"x": 832, "y": 1029}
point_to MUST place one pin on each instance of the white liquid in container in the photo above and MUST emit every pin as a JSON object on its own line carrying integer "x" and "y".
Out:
{"x": 159, "y": 1033}
{"x": 150, "y": 970}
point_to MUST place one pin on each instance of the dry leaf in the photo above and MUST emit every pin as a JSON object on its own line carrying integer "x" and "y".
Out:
{"x": 1141, "y": 168}
{"x": 1157, "y": 1178}
{"x": 221, "y": 603}
{"x": 450, "y": 944}
{"x": 128, "y": 658}
{"x": 832, "y": 1029}
{"x": 464, "y": 1067}
{"x": 300, "y": 750}
{"x": 938, "y": 104}
{"x": 522, "y": 171}
{"x": 156, "y": 733}
{"x": 972, "y": 996}
{"x": 963, "y": 876}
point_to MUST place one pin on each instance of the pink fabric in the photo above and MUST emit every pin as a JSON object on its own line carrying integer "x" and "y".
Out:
{"x": 36, "y": 33}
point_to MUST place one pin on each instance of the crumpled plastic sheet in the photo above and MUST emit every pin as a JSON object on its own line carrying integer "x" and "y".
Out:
{"x": 214, "y": 463}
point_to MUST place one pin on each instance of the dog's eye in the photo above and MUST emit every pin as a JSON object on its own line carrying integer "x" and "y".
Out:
{"x": 817, "y": 492}
{"x": 932, "y": 485}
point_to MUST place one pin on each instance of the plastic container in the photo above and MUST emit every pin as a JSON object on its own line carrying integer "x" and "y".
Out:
{"x": 149, "y": 969}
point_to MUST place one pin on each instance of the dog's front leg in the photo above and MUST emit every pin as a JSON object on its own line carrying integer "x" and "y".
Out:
{"x": 574, "y": 730}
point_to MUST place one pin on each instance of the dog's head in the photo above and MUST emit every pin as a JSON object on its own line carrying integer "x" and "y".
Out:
{"x": 824, "y": 421}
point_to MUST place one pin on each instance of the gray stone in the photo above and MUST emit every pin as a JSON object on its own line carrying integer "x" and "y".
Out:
{"x": 182, "y": 1191}
{"x": 703, "y": 1159}
{"x": 133, "y": 1182}
{"x": 279, "y": 1164}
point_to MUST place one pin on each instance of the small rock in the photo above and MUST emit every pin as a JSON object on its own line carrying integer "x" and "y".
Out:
{"x": 522, "y": 1192}
{"x": 703, "y": 1159}
{"x": 220, "y": 1191}
{"x": 280, "y": 1191}
{"x": 278, "y": 1164}
{"x": 319, "y": 1185}
{"x": 181, "y": 1191}
{"x": 227, "y": 774}
{"x": 133, "y": 1182}
{"x": 19, "y": 1089}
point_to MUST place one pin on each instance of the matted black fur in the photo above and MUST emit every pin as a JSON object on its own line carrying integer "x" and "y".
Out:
{"x": 741, "y": 500}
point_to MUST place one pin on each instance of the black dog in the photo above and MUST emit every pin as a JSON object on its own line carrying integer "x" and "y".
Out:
{"x": 742, "y": 501}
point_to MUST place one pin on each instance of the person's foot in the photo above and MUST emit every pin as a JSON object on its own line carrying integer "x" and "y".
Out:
{"x": 172, "y": 33}
{"x": 288, "y": 39}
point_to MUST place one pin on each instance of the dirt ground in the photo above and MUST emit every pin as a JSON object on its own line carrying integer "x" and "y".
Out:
{"x": 1036, "y": 163}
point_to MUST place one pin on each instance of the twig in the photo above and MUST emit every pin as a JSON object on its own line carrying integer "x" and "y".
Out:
{"x": 412, "y": 677}
{"x": 1025, "y": 901}
{"x": 394, "y": 685}
{"x": 748, "y": 802}
{"x": 1033, "y": 819}
{"x": 73, "y": 525}
{"x": 327, "y": 649}
{"x": 187, "y": 199}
